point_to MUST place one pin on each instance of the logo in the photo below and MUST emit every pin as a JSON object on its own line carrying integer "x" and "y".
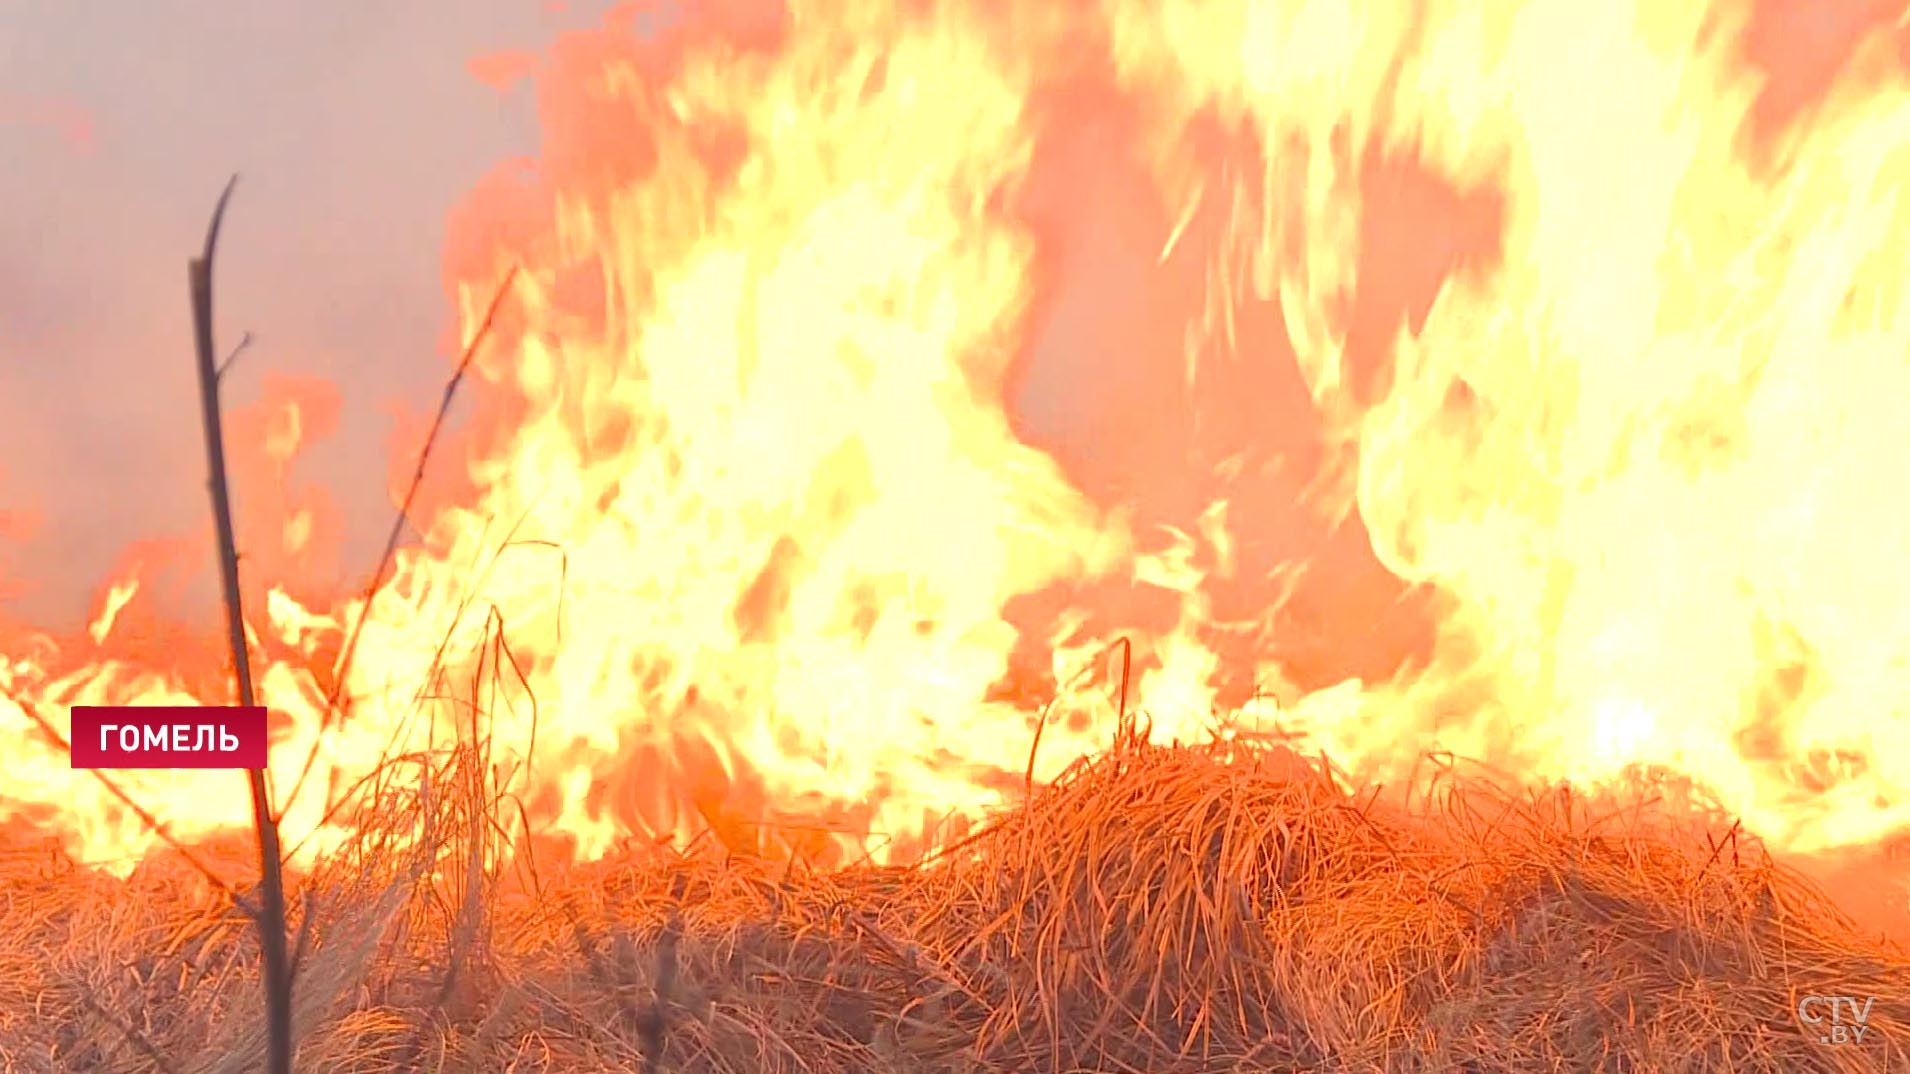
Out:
{"x": 1836, "y": 1019}
{"x": 154, "y": 736}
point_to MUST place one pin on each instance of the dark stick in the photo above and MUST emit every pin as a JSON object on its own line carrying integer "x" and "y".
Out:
{"x": 271, "y": 908}
{"x": 342, "y": 671}
{"x": 153, "y": 824}
{"x": 417, "y": 479}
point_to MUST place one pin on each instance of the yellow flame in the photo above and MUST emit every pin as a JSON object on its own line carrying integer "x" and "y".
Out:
{"x": 744, "y": 553}
{"x": 117, "y": 597}
{"x": 1656, "y": 453}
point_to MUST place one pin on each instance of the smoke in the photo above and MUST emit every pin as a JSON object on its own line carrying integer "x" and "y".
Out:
{"x": 355, "y": 128}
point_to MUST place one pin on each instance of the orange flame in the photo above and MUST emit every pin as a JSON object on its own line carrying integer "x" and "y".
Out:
{"x": 1413, "y": 376}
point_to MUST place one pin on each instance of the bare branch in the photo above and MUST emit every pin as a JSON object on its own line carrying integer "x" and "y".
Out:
{"x": 244, "y": 342}
{"x": 271, "y": 908}
{"x": 153, "y": 824}
{"x": 342, "y": 674}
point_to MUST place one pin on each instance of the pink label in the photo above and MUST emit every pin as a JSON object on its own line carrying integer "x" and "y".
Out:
{"x": 161, "y": 736}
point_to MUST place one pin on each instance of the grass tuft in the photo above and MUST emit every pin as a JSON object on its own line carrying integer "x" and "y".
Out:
{"x": 1221, "y": 907}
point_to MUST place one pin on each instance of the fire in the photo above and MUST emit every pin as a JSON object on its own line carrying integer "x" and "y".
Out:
{"x": 766, "y": 507}
{"x": 117, "y": 596}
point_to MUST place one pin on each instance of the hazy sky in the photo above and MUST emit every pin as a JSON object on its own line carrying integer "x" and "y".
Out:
{"x": 355, "y": 127}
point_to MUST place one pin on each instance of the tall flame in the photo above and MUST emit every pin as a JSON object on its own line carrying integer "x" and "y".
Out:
{"x": 870, "y": 366}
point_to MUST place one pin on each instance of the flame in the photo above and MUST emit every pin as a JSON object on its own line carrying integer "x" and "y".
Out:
{"x": 117, "y": 597}
{"x": 868, "y": 368}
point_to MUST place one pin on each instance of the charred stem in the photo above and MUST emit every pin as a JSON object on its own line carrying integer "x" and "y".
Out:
{"x": 270, "y": 914}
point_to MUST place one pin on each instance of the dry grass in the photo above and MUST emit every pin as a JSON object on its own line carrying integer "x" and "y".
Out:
{"x": 1216, "y": 908}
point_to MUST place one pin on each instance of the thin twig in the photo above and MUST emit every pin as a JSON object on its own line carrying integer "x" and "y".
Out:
{"x": 153, "y": 824}
{"x": 271, "y": 908}
{"x": 307, "y": 915}
{"x": 129, "y": 1033}
{"x": 233, "y": 356}
{"x": 343, "y": 672}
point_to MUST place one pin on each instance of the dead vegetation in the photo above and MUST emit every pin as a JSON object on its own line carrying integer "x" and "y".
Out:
{"x": 1227, "y": 907}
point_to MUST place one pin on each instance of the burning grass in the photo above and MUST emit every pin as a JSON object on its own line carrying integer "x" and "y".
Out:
{"x": 1226, "y": 907}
